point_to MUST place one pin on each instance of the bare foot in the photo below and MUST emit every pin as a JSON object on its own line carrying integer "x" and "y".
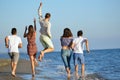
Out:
{"x": 68, "y": 75}
{"x": 33, "y": 74}
{"x": 77, "y": 75}
{"x": 83, "y": 78}
{"x": 13, "y": 74}
{"x": 36, "y": 63}
{"x": 41, "y": 56}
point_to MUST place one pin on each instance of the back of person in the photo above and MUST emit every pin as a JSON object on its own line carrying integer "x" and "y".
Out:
{"x": 31, "y": 39}
{"x": 44, "y": 23}
{"x": 66, "y": 41}
{"x": 78, "y": 48}
{"x": 78, "y": 56}
{"x": 31, "y": 47}
{"x": 14, "y": 42}
{"x": 44, "y": 27}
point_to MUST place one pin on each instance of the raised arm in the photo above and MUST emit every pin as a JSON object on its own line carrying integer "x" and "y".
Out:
{"x": 6, "y": 42}
{"x": 87, "y": 46}
{"x": 35, "y": 24}
{"x": 40, "y": 12}
{"x": 25, "y": 34}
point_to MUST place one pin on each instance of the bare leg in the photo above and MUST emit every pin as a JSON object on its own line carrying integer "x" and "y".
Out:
{"x": 35, "y": 61}
{"x": 14, "y": 65}
{"x": 41, "y": 56}
{"x": 48, "y": 50}
{"x": 76, "y": 71}
{"x": 11, "y": 65}
{"x": 68, "y": 72}
{"x": 43, "y": 52}
{"x": 68, "y": 78}
{"x": 83, "y": 70}
{"x": 32, "y": 65}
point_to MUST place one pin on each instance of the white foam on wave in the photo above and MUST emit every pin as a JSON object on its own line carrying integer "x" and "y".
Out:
{"x": 60, "y": 69}
{"x": 26, "y": 76}
{"x": 47, "y": 60}
{"x": 44, "y": 62}
{"x": 86, "y": 72}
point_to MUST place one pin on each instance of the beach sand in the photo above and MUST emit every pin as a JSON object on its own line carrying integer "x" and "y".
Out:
{"x": 24, "y": 67}
{"x": 94, "y": 77}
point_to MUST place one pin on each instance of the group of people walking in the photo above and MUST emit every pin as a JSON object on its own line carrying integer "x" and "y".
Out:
{"x": 68, "y": 43}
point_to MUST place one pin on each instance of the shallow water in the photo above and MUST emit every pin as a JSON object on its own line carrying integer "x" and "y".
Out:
{"x": 100, "y": 65}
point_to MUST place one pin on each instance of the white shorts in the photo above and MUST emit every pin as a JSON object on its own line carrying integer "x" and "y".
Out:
{"x": 46, "y": 41}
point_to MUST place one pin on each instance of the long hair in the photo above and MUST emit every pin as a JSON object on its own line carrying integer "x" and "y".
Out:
{"x": 30, "y": 30}
{"x": 67, "y": 33}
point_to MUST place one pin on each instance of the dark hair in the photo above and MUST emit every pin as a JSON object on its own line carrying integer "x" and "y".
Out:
{"x": 30, "y": 30}
{"x": 13, "y": 31}
{"x": 80, "y": 33}
{"x": 47, "y": 15}
{"x": 67, "y": 33}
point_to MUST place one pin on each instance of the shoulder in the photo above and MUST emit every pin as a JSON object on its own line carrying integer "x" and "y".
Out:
{"x": 18, "y": 37}
{"x": 85, "y": 39}
{"x": 49, "y": 23}
{"x": 62, "y": 38}
{"x": 9, "y": 37}
{"x": 71, "y": 38}
{"x": 68, "y": 38}
{"x": 75, "y": 39}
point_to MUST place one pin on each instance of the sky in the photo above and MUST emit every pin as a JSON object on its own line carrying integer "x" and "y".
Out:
{"x": 99, "y": 20}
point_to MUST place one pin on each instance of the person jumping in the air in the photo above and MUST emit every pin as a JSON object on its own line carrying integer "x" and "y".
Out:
{"x": 45, "y": 37}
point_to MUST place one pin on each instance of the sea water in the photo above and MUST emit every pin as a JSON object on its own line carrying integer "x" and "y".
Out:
{"x": 103, "y": 63}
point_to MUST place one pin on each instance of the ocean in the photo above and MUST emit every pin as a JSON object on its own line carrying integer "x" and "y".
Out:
{"x": 103, "y": 64}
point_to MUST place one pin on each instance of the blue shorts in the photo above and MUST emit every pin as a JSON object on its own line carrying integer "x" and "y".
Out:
{"x": 78, "y": 57}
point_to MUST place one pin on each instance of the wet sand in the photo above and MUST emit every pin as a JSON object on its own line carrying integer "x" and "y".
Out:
{"x": 94, "y": 77}
{"x": 24, "y": 67}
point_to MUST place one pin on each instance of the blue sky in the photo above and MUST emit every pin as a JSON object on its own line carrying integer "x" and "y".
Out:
{"x": 99, "y": 19}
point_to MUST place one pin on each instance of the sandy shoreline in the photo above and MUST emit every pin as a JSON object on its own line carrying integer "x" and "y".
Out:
{"x": 24, "y": 67}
